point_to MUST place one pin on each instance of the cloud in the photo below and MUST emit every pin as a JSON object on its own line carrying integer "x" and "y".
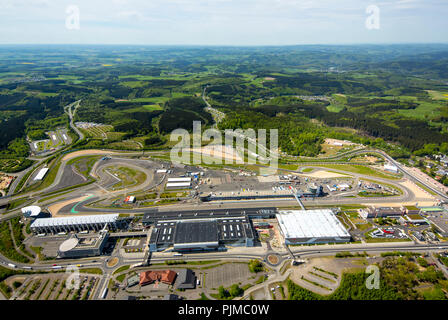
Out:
{"x": 222, "y": 21}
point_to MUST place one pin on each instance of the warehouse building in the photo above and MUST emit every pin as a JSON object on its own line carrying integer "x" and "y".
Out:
{"x": 411, "y": 210}
{"x": 413, "y": 219}
{"x": 202, "y": 234}
{"x": 311, "y": 226}
{"x": 381, "y": 212}
{"x": 133, "y": 281}
{"x": 186, "y": 279}
{"x": 177, "y": 180}
{"x": 178, "y": 185}
{"x": 431, "y": 210}
{"x": 76, "y": 224}
{"x": 83, "y": 246}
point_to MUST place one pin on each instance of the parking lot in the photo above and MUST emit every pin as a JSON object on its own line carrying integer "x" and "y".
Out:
{"x": 51, "y": 287}
{"x": 56, "y": 140}
{"x": 226, "y": 275}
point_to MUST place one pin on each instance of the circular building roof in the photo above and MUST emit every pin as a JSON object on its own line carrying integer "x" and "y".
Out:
{"x": 31, "y": 211}
{"x": 68, "y": 245}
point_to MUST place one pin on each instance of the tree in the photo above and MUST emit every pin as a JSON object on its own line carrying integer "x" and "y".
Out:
{"x": 152, "y": 139}
{"x": 223, "y": 293}
{"x": 255, "y": 266}
{"x": 235, "y": 290}
{"x": 421, "y": 261}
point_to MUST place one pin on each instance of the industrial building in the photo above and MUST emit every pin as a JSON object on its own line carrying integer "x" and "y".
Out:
{"x": 381, "y": 212}
{"x": 413, "y": 219}
{"x": 83, "y": 246}
{"x": 178, "y": 185}
{"x": 431, "y": 210}
{"x": 311, "y": 226}
{"x": 411, "y": 210}
{"x": 76, "y": 224}
{"x": 132, "y": 281}
{"x": 177, "y": 180}
{"x": 201, "y": 233}
{"x": 186, "y": 279}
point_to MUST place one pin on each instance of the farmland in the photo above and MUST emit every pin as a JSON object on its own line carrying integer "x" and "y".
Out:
{"x": 138, "y": 102}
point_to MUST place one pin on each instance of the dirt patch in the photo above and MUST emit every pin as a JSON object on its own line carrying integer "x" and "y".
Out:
{"x": 273, "y": 259}
{"x": 112, "y": 262}
{"x": 218, "y": 152}
{"x": 268, "y": 179}
{"x": 322, "y": 174}
{"x": 336, "y": 142}
{"x": 419, "y": 192}
{"x": 5, "y": 181}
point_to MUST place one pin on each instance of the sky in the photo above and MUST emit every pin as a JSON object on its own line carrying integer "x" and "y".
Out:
{"x": 223, "y": 22}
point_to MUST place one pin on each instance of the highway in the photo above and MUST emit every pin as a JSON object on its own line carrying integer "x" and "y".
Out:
{"x": 68, "y": 111}
{"x": 405, "y": 172}
{"x": 297, "y": 251}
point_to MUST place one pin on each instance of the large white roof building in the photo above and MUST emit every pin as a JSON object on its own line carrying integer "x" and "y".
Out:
{"x": 178, "y": 185}
{"x": 311, "y": 226}
{"x": 174, "y": 180}
{"x": 31, "y": 211}
{"x": 41, "y": 174}
{"x": 78, "y": 223}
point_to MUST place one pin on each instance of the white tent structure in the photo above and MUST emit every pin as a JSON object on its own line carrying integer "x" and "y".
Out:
{"x": 311, "y": 226}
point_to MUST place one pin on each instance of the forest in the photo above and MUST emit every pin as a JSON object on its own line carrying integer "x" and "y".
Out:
{"x": 379, "y": 95}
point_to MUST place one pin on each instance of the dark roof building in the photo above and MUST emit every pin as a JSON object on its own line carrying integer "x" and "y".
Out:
{"x": 154, "y": 215}
{"x": 201, "y": 233}
{"x": 133, "y": 281}
{"x": 186, "y": 279}
{"x": 196, "y": 233}
{"x": 171, "y": 297}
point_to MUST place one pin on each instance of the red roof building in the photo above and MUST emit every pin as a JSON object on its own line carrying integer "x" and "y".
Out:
{"x": 164, "y": 276}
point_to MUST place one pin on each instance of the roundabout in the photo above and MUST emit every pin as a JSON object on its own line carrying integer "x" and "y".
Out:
{"x": 274, "y": 259}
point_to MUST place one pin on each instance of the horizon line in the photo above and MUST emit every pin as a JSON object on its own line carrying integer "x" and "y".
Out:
{"x": 227, "y": 45}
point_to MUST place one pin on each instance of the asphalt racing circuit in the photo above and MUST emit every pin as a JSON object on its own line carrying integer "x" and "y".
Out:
{"x": 73, "y": 193}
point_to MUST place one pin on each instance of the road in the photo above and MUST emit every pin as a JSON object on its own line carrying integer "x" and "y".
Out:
{"x": 68, "y": 111}
{"x": 302, "y": 252}
{"x": 407, "y": 173}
